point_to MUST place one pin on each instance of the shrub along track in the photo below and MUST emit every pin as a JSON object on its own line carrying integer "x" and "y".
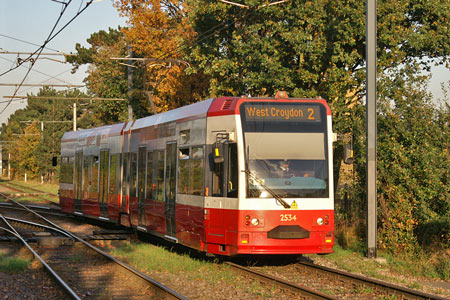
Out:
{"x": 88, "y": 271}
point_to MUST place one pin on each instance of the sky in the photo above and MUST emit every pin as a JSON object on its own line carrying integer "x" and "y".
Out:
{"x": 33, "y": 20}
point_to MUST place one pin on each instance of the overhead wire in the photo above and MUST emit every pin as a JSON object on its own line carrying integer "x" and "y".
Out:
{"x": 26, "y": 42}
{"x": 42, "y": 73}
{"x": 50, "y": 37}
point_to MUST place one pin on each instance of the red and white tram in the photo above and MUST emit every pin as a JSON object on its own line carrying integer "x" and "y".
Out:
{"x": 227, "y": 176}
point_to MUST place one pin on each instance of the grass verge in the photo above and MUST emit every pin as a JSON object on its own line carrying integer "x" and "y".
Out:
{"x": 12, "y": 264}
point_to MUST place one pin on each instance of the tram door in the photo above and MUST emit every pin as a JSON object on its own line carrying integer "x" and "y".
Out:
{"x": 170, "y": 190}
{"x": 103, "y": 192}
{"x": 78, "y": 180}
{"x": 141, "y": 185}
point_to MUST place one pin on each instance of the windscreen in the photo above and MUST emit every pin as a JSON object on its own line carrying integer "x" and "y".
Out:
{"x": 286, "y": 149}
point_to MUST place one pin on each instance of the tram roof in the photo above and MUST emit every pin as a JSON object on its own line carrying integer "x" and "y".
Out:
{"x": 198, "y": 109}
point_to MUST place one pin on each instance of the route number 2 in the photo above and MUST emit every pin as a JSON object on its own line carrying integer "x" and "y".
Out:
{"x": 288, "y": 218}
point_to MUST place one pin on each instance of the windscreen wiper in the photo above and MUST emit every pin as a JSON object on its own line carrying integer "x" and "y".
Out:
{"x": 269, "y": 190}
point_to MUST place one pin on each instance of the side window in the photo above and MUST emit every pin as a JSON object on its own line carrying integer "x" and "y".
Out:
{"x": 67, "y": 168}
{"x": 150, "y": 187}
{"x": 113, "y": 166}
{"x": 196, "y": 171}
{"x": 232, "y": 180}
{"x": 124, "y": 174}
{"x": 217, "y": 180}
{"x": 133, "y": 174}
{"x": 86, "y": 172}
{"x": 183, "y": 171}
{"x": 160, "y": 176}
{"x": 94, "y": 177}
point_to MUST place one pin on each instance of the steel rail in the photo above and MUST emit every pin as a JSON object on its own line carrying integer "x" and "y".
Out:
{"x": 39, "y": 225}
{"x": 392, "y": 288}
{"x": 171, "y": 293}
{"x": 303, "y": 290}
{"x": 47, "y": 267}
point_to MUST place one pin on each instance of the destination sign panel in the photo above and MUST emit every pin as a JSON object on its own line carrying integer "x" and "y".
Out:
{"x": 282, "y": 113}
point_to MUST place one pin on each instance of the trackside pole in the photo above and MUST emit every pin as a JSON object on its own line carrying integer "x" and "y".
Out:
{"x": 371, "y": 126}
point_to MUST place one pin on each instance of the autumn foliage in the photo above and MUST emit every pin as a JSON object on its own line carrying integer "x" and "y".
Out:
{"x": 158, "y": 31}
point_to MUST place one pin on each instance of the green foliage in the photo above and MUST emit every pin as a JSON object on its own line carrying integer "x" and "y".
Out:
{"x": 12, "y": 264}
{"x": 413, "y": 177}
{"x": 106, "y": 78}
{"x": 32, "y": 148}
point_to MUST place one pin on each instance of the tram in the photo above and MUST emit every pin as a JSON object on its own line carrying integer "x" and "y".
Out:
{"x": 227, "y": 176}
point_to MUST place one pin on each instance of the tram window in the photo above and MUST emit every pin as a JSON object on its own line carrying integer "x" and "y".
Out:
{"x": 67, "y": 169}
{"x": 94, "y": 178}
{"x": 113, "y": 166}
{"x": 160, "y": 176}
{"x": 232, "y": 180}
{"x": 196, "y": 178}
{"x": 86, "y": 172}
{"x": 149, "y": 182}
{"x": 124, "y": 174}
{"x": 142, "y": 163}
{"x": 183, "y": 171}
{"x": 217, "y": 184}
{"x": 185, "y": 136}
{"x": 133, "y": 174}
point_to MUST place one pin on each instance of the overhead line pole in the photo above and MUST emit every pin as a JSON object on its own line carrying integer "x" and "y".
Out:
{"x": 371, "y": 126}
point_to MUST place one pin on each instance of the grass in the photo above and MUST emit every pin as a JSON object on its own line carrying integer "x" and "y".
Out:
{"x": 44, "y": 187}
{"x": 12, "y": 264}
{"x": 51, "y": 188}
{"x": 153, "y": 258}
{"x": 158, "y": 259}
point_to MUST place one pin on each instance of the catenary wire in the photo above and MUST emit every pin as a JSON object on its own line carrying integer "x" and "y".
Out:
{"x": 47, "y": 41}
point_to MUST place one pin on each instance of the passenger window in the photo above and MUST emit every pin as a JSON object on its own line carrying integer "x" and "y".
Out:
{"x": 94, "y": 179}
{"x": 232, "y": 180}
{"x": 160, "y": 177}
{"x": 217, "y": 180}
{"x": 113, "y": 166}
{"x": 150, "y": 175}
{"x": 183, "y": 171}
{"x": 133, "y": 173}
{"x": 196, "y": 171}
{"x": 125, "y": 175}
{"x": 86, "y": 172}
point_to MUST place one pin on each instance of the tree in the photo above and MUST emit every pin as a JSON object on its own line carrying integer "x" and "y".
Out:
{"x": 159, "y": 30}
{"x": 106, "y": 79}
{"x": 413, "y": 177}
{"x": 311, "y": 48}
{"x": 24, "y": 158}
{"x": 30, "y": 146}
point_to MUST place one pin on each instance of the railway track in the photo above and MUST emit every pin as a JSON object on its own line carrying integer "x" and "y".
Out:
{"x": 83, "y": 270}
{"x": 308, "y": 279}
{"x": 17, "y": 190}
{"x": 301, "y": 290}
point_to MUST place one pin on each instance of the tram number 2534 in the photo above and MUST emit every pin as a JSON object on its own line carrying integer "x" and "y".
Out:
{"x": 287, "y": 217}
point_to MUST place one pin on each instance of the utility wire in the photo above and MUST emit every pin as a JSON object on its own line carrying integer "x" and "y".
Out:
{"x": 30, "y": 43}
{"x": 50, "y": 37}
{"x": 41, "y": 48}
{"x": 50, "y": 76}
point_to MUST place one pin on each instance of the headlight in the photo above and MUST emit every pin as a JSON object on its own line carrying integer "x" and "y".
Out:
{"x": 319, "y": 221}
{"x": 255, "y": 222}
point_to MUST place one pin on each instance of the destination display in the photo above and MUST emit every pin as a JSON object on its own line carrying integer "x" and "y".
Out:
{"x": 282, "y": 113}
